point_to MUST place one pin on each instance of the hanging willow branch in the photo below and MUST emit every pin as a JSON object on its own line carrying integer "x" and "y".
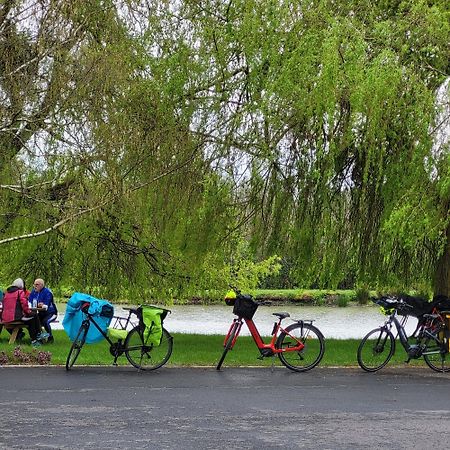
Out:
{"x": 52, "y": 228}
{"x": 99, "y": 206}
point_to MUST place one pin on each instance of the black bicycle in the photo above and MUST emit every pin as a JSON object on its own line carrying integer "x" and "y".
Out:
{"x": 134, "y": 339}
{"x": 430, "y": 339}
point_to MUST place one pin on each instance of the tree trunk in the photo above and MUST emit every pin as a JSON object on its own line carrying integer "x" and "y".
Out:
{"x": 442, "y": 275}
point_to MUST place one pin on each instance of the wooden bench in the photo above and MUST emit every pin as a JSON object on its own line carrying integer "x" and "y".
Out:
{"x": 15, "y": 327}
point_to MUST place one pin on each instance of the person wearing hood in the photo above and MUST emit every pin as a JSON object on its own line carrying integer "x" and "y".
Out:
{"x": 16, "y": 308}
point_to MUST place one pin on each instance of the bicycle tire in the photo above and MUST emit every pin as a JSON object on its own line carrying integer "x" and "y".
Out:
{"x": 438, "y": 361}
{"x": 227, "y": 345}
{"x": 312, "y": 353}
{"x": 144, "y": 356}
{"x": 77, "y": 345}
{"x": 371, "y": 352}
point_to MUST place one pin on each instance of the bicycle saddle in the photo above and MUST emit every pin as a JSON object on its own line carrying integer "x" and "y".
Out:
{"x": 282, "y": 315}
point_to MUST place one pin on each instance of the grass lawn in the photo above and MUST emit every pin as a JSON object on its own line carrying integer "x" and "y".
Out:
{"x": 195, "y": 350}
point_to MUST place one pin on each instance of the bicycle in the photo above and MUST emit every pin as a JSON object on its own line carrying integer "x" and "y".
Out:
{"x": 134, "y": 340}
{"x": 430, "y": 339}
{"x": 300, "y": 346}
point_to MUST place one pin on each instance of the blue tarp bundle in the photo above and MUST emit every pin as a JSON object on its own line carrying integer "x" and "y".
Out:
{"x": 74, "y": 316}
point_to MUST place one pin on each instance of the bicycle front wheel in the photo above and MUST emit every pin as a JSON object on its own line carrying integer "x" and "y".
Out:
{"x": 228, "y": 344}
{"x": 147, "y": 356}
{"x": 436, "y": 355}
{"x": 310, "y": 355}
{"x": 77, "y": 346}
{"x": 376, "y": 349}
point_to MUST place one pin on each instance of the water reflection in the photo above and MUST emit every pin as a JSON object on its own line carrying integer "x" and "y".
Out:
{"x": 341, "y": 323}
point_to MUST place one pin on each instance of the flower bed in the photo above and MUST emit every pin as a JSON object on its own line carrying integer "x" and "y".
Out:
{"x": 19, "y": 356}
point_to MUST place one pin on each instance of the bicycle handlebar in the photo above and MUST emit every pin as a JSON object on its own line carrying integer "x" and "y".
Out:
{"x": 392, "y": 302}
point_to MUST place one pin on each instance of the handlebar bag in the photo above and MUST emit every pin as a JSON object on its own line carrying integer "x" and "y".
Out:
{"x": 245, "y": 307}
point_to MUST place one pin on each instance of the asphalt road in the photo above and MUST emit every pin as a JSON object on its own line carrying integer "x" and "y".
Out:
{"x": 181, "y": 408}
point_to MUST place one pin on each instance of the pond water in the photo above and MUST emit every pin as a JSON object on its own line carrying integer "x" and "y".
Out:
{"x": 334, "y": 322}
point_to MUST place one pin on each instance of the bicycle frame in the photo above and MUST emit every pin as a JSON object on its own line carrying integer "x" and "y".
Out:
{"x": 116, "y": 348}
{"x": 413, "y": 350}
{"x": 265, "y": 349}
{"x": 88, "y": 320}
{"x": 122, "y": 323}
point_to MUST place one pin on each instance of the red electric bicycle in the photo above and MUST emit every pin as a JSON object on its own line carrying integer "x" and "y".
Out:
{"x": 300, "y": 346}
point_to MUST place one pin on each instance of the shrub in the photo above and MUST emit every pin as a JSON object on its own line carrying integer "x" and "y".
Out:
{"x": 362, "y": 295}
{"x": 342, "y": 300}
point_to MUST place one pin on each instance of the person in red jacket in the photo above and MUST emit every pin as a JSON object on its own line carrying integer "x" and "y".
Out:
{"x": 15, "y": 307}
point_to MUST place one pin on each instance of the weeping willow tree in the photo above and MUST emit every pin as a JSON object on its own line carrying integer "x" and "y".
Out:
{"x": 158, "y": 144}
{"x": 327, "y": 111}
{"x": 85, "y": 136}
{"x": 104, "y": 187}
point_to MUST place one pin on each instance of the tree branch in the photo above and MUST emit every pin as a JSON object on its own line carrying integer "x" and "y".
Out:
{"x": 94, "y": 208}
{"x": 52, "y": 228}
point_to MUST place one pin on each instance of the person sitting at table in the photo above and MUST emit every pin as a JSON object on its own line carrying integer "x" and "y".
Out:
{"x": 43, "y": 297}
{"x": 16, "y": 308}
{"x": 20, "y": 334}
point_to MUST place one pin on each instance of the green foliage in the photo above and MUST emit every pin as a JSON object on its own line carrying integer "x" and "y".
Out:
{"x": 362, "y": 295}
{"x": 176, "y": 151}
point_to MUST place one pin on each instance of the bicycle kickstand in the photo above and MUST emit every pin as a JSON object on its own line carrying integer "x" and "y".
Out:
{"x": 116, "y": 350}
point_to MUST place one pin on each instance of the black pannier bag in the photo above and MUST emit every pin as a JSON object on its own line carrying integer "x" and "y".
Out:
{"x": 245, "y": 307}
{"x": 419, "y": 306}
{"x": 107, "y": 311}
{"x": 441, "y": 302}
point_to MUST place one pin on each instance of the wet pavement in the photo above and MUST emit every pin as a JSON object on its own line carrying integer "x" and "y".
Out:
{"x": 189, "y": 408}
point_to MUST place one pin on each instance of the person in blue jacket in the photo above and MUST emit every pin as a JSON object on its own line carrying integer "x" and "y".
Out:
{"x": 42, "y": 297}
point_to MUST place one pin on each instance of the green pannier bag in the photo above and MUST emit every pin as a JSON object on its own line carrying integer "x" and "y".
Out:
{"x": 152, "y": 319}
{"x": 117, "y": 333}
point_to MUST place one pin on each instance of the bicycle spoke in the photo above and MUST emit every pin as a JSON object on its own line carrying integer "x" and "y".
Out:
{"x": 312, "y": 352}
{"x": 77, "y": 345}
{"x": 375, "y": 350}
{"x": 147, "y": 357}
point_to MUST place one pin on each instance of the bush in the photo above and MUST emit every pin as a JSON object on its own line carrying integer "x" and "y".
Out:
{"x": 342, "y": 300}
{"x": 362, "y": 295}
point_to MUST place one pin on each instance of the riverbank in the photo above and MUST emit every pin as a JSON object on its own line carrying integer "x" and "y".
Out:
{"x": 301, "y": 297}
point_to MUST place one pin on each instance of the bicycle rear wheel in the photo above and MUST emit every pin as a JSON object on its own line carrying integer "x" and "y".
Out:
{"x": 436, "y": 355}
{"x": 228, "y": 344}
{"x": 376, "y": 349}
{"x": 310, "y": 355}
{"x": 77, "y": 345}
{"x": 147, "y": 356}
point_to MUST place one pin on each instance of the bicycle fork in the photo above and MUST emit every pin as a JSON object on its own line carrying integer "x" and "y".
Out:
{"x": 236, "y": 326}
